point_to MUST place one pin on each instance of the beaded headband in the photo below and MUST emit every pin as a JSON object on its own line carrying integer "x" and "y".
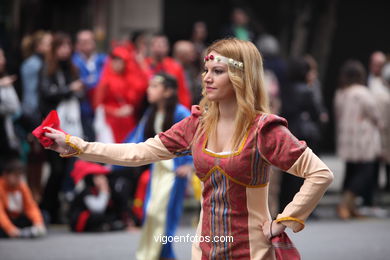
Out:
{"x": 237, "y": 64}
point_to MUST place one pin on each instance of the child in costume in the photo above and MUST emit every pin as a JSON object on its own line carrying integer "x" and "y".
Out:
{"x": 99, "y": 204}
{"x": 167, "y": 184}
{"x": 234, "y": 141}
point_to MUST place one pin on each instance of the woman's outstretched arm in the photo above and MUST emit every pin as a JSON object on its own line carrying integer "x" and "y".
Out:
{"x": 129, "y": 154}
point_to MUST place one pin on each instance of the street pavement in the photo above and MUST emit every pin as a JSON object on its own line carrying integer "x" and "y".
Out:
{"x": 323, "y": 239}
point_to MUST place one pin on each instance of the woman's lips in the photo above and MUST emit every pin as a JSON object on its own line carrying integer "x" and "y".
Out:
{"x": 210, "y": 88}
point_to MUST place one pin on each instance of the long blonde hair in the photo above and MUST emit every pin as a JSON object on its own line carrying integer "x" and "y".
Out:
{"x": 248, "y": 85}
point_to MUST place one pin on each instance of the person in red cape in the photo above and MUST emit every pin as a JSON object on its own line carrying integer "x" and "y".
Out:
{"x": 160, "y": 62}
{"x": 121, "y": 91}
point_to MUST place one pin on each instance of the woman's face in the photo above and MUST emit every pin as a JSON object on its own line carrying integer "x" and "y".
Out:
{"x": 64, "y": 51}
{"x": 118, "y": 65}
{"x": 45, "y": 44}
{"x": 216, "y": 80}
{"x": 156, "y": 91}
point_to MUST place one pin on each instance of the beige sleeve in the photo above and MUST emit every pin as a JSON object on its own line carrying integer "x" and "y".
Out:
{"x": 317, "y": 179}
{"x": 129, "y": 154}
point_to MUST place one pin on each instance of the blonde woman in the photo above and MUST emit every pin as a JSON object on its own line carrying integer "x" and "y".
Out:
{"x": 234, "y": 141}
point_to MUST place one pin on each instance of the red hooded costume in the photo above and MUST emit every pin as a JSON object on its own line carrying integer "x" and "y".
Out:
{"x": 118, "y": 89}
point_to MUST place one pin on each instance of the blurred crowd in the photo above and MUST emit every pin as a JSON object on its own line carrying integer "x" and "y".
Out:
{"x": 102, "y": 97}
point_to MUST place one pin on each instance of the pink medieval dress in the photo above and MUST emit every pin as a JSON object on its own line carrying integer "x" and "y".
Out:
{"x": 235, "y": 185}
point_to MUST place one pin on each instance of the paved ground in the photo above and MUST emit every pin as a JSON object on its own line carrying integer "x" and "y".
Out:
{"x": 326, "y": 238}
{"x": 364, "y": 239}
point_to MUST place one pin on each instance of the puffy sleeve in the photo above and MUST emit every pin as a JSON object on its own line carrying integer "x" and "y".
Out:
{"x": 282, "y": 149}
{"x": 129, "y": 154}
{"x": 178, "y": 139}
{"x": 166, "y": 145}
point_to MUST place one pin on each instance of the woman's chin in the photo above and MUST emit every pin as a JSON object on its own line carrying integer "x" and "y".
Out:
{"x": 212, "y": 98}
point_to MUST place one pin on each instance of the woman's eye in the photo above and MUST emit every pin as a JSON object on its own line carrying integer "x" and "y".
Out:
{"x": 218, "y": 71}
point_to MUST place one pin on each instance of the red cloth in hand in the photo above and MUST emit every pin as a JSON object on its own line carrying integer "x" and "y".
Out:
{"x": 284, "y": 248}
{"x": 52, "y": 121}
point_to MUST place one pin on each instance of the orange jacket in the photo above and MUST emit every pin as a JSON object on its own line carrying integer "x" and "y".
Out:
{"x": 30, "y": 208}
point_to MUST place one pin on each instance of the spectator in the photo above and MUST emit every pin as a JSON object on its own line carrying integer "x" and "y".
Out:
{"x": 35, "y": 48}
{"x": 160, "y": 62}
{"x": 90, "y": 65}
{"x": 382, "y": 98}
{"x": 60, "y": 89}
{"x": 358, "y": 139}
{"x": 19, "y": 214}
{"x": 386, "y": 127}
{"x": 302, "y": 112}
{"x": 185, "y": 54}
{"x": 239, "y": 26}
{"x": 269, "y": 48}
{"x": 9, "y": 107}
{"x": 314, "y": 83}
{"x": 199, "y": 38}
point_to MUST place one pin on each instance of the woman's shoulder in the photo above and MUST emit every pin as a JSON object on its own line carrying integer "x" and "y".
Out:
{"x": 264, "y": 120}
{"x": 196, "y": 110}
{"x": 32, "y": 63}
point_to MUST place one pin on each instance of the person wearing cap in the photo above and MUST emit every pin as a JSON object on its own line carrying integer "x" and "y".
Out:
{"x": 96, "y": 206}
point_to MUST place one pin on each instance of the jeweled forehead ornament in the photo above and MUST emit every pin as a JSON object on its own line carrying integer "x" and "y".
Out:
{"x": 219, "y": 58}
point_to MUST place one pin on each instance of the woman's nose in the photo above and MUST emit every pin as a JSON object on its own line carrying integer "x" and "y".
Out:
{"x": 207, "y": 77}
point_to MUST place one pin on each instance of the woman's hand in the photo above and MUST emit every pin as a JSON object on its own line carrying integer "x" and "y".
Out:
{"x": 76, "y": 86}
{"x": 124, "y": 111}
{"x": 58, "y": 137}
{"x": 7, "y": 80}
{"x": 184, "y": 170}
{"x": 272, "y": 229}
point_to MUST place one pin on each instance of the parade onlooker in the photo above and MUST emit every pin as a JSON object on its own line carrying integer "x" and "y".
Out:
{"x": 19, "y": 214}
{"x": 35, "y": 48}
{"x": 358, "y": 139}
{"x": 9, "y": 107}
{"x": 139, "y": 39}
{"x": 184, "y": 52}
{"x": 380, "y": 92}
{"x": 239, "y": 26}
{"x": 270, "y": 50}
{"x": 302, "y": 112}
{"x": 90, "y": 65}
{"x": 160, "y": 62}
{"x": 314, "y": 83}
{"x": 60, "y": 84}
{"x": 385, "y": 134}
{"x": 199, "y": 38}
{"x": 377, "y": 61}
